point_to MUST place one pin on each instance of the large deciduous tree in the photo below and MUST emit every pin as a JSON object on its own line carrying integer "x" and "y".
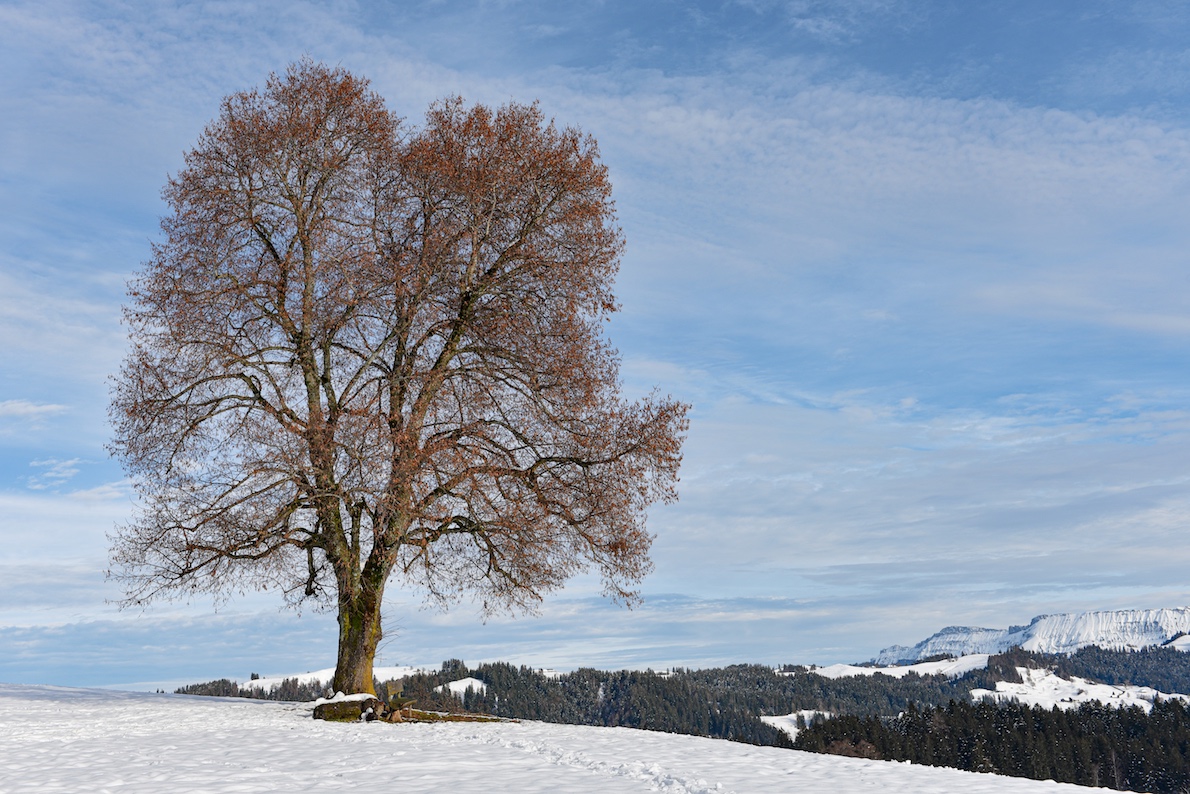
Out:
{"x": 364, "y": 351}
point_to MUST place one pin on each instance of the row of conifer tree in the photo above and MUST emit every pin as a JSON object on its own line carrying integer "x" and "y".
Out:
{"x": 1094, "y": 745}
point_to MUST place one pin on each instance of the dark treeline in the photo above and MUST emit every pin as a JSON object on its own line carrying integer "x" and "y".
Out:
{"x": 675, "y": 703}
{"x": 724, "y": 702}
{"x": 1094, "y": 745}
{"x": 702, "y": 702}
{"x": 800, "y": 688}
{"x": 223, "y": 688}
{"x": 760, "y": 690}
{"x": 290, "y": 689}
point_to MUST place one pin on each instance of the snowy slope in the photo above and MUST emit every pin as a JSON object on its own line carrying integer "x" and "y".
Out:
{"x": 1118, "y": 630}
{"x": 1181, "y": 643}
{"x": 460, "y": 687}
{"x": 952, "y": 668}
{"x": 326, "y": 676}
{"x": 788, "y": 722}
{"x": 67, "y": 740}
{"x": 1043, "y": 688}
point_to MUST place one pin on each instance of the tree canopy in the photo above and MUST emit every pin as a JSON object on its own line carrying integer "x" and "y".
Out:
{"x": 364, "y": 350}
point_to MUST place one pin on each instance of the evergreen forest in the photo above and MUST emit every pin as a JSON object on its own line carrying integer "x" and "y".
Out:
{"x": 1094, "y": 745}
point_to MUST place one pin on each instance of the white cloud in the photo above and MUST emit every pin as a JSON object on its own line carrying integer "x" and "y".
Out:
{"x": 107, "y": 492}
{"x": 41, "y": 526}
{"x": 54, "y": 473}
{"x": 20, "y": 418}
{"x": 779, "y": 488}
{"x": 26, "y": 409}
{"x": 833, "y": 20}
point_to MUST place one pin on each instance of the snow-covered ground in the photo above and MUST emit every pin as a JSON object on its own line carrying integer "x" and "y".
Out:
{"x": 460, "y": 687}
{"x": 788, "y": 722}
{"x": 949, "y": 667}
{"x": 326, "y": 676}
{"x": 1043, "y": 688}
{"x": 1181, "y": 643}
{"x": 55, "y": 739}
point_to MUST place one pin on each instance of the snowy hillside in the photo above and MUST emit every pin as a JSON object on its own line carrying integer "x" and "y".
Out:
{"x": 460, "y": 687}
{"x": 952, "y": 668}
{"x": 1043, "y": 688}
{"x": 788, "y": 722}
{"x": 58, "y": 739}
{"x": 1127, "y": 629}
{"x": 1038, "y": 687}
{"x": 326, "y": 676}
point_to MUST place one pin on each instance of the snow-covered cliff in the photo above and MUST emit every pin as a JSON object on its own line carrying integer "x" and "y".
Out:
{"x": 1119, "y": 630}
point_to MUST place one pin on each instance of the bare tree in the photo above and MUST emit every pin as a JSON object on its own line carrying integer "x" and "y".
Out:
{"x": 365, "y": 351}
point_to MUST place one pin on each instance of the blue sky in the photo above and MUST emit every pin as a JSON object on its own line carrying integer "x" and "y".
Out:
{"x": 920, "y": 267}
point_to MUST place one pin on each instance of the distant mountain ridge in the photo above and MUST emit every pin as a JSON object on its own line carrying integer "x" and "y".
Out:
{"x": 1125, "y": 629}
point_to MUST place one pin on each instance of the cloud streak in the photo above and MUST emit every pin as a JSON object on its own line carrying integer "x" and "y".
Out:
{"x": 54, "y": 473}
{"x": 26, "y": 409}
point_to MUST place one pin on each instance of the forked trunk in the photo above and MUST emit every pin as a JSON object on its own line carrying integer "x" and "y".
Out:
{"x": 359, "y": 634}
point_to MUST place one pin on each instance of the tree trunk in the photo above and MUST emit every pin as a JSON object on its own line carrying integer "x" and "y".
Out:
{"x": 359, "y": 634}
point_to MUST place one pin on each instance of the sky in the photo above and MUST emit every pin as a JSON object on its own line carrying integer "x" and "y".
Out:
{"x": 920, "y": 267}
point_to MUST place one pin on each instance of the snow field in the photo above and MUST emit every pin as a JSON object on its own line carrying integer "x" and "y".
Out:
{"x": 327, "y": 675}
{"x": 460, "y": 687}
{"x": 788, "y": 722}
{"x": 1038, "y": 688}
{"x": 1043, "y": 688}
{"x": 948, "y": 667}
{"x": 55, "y": 739}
